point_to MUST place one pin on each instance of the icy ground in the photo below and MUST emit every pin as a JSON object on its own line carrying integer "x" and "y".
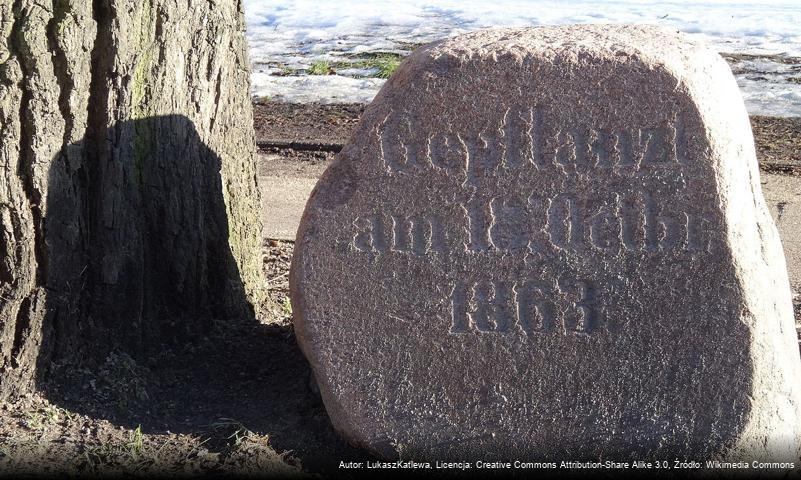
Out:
{"x": 762, "y": 41}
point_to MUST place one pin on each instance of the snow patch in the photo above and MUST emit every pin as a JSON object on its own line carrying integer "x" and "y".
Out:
{"x": 295, "y": 33}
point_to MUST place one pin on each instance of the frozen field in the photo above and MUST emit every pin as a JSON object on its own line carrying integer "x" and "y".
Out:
{"x": 762, "y": 41}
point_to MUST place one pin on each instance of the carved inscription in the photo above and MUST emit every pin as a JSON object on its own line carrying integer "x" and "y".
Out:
{"x": 512, "y": 224}
{"x": 531, "y": 306}
{"x": 418, "y": 235}
{"x": 632, "y": 218}
{"x": 520, "y": 141}
{"x": 634, "y": 223}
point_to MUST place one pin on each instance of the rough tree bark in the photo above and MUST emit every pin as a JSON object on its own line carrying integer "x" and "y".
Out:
{"x": 128, "y": 196}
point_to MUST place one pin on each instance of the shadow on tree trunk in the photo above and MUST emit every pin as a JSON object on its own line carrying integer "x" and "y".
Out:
{"x": 147, "y": 321}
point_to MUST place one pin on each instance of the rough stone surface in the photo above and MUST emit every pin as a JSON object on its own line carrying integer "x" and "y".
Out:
{"x": 551, "y": 242}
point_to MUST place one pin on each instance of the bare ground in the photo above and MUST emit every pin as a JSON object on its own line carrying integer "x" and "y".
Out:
{"x": 237, "y": 402}
{"x": 777, "y": 143}
{"x": 315, "y": 122}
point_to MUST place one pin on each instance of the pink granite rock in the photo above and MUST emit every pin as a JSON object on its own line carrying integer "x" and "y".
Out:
{"x": 551, "y": 243}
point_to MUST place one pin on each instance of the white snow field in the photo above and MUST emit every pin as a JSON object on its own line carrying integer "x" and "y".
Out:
{"x": 761, "y": 39}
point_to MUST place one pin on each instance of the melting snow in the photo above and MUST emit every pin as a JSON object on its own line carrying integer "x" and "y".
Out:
{"x": 291, "y": 34}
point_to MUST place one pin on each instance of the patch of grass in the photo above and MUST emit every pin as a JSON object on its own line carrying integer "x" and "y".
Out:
{"x": 96, "y": 455}
{"x": 364, "y": 56}
{"x": 34, "y": 420}
{"x": 320, "y": 67}
{"x": 281, "y": 70}
{"x": 384, "y": 63}
{"x": 286, "y": 307}
{"x": 121, "y": 454}
{"x": 134, "y": 445}
{"x": 50, "y": 414}
{"x": 92, "y": 456}
{"x": 43, "y": 418}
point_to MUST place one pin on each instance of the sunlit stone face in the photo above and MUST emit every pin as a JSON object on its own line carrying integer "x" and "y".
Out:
{"x": 544, "y": 242}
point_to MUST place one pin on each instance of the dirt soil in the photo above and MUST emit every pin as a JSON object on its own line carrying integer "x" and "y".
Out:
{"x": 777, "y": 142}
{"x": 237, "y": 402}
{"x": 276, "y": 121}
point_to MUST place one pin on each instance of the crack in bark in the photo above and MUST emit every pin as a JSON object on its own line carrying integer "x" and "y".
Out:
{"x": 97, "y": 116}
{"x": 64, "y": 80}
{"x": 217, "y": 97}
{"x": 18, "y": 255}
{"x": 26, "y": 154}
{"x": 159, "y": 33}
{"x": 21, "y": 330}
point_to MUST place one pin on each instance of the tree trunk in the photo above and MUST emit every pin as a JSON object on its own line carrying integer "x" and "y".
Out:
{"x": 128, "y": 197}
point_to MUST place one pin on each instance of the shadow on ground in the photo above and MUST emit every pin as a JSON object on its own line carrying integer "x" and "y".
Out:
{"x": 242, "y": 376}
{"x": 161, "y": 335}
